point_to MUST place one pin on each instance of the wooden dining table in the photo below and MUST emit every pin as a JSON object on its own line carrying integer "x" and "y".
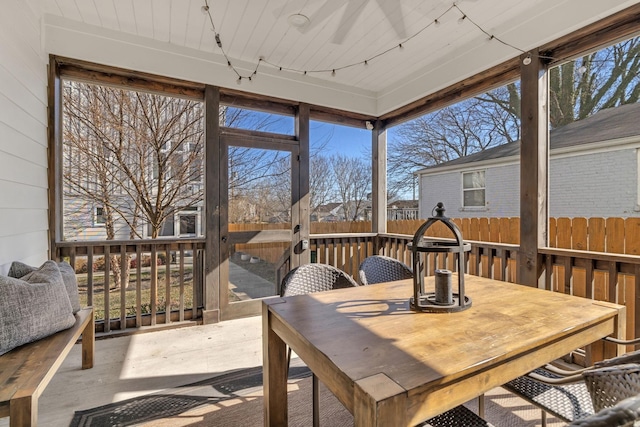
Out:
{"x": 391, "y": 366}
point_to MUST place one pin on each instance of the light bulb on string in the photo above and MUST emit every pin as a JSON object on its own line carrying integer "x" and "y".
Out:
{"x": 205, "y": 9}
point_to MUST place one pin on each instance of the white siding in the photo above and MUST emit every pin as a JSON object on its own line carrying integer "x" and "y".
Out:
{"x": 502, "y": 193}
{"x": 600, "y": 184}
{"x": 596, "y": 184}
{"x": 23, "y": 138}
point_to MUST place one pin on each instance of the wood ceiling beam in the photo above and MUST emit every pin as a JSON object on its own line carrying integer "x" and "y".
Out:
{"x": 607, "y": 31}
{"x": 480, "y": 83}
{"x": 90, "y": 72}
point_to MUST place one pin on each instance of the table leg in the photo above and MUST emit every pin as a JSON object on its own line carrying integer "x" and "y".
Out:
{"x": 379, "y": 401}
{"x": 274, "y": 365}
{"x": 88, "y": 343}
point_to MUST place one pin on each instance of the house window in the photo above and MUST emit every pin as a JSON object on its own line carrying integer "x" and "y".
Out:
{"x": 99, "y": 218}
{"x": 473, "y": 189}
{"x": 187, "y": 224}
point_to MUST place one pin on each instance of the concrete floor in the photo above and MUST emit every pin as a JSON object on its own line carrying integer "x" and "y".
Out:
{"x": 144, "y": 363}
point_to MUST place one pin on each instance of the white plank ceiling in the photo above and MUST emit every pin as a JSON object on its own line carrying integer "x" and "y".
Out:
{"x": 175, "y": 38}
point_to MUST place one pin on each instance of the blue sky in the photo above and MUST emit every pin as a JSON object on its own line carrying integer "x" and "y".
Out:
{"x": 345, "y": 140}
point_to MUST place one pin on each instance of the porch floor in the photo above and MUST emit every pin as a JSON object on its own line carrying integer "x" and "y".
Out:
{"x": 144, "y": 363}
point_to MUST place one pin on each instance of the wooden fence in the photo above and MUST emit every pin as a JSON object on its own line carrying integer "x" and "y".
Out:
{"x": 611, "y": 235}
{"x": 272, "y": 252}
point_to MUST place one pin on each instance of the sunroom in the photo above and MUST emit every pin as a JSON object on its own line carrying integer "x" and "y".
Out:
{"x": 259, "y": 91}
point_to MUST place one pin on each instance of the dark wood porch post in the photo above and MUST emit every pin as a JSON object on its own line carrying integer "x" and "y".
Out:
{"x": 379, "y": 181}
{"x": 534, "y": 163}
{"x": 54, "y": 161}
{"x": 300, "y": 198}
{"x": 211, "y": 303}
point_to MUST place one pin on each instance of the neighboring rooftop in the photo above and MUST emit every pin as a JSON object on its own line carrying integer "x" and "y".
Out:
{"x": 605, "y": 125}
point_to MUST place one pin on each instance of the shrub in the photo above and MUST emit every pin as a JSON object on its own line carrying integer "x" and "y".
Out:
{"x": 145, "y": 262}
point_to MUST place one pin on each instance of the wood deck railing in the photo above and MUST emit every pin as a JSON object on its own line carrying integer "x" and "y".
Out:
{"x": 142, "y": 301}
{"x": 172, "y": 284}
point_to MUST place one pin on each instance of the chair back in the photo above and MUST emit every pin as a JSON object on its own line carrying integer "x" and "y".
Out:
{"x": 379, "y": 268}
{"x": 631, "y": 357}
{"x": 624, "y": 414}
{"x": 309, "y": 278}
{"x": 612, "y": 384}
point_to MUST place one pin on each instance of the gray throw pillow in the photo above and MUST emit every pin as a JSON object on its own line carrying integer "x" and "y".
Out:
{"x": 33, "y": 307}
{"x": 19, "y": 269}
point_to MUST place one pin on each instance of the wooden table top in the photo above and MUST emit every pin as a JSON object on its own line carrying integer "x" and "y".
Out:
{"x": 362, "y": 332}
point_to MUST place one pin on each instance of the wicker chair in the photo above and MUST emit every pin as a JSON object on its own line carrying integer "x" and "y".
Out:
{"x": 306, "y": 279}
{"x": 623, "y": 414}
{"x": 378, "y": 269}
{"x": 309, "y": 278}
{"x": 575, "y": 395}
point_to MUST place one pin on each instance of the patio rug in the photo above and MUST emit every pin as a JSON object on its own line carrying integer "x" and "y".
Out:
{"x": 235, "y": 399}
{"x": 231, "y": 399}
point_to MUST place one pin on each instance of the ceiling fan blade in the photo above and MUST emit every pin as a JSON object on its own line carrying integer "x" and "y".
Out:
{"x": 325, "y": 11}
{"x": 389, "y": 8}
{"x": 349, "y": 17}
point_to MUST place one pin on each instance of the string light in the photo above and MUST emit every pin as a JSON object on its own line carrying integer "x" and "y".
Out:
{"x": 207, "y": 11}
{"x": 400, "y": 46}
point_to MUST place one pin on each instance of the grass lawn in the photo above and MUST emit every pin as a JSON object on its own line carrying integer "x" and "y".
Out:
{"x": 130, "y": 293}
{"x": 262, "y": 269}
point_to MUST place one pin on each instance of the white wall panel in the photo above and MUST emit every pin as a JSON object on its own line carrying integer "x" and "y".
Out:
{"x": 23, "y": 142}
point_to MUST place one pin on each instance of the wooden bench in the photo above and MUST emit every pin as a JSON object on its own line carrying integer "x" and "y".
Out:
{"x": 26, "y": 370}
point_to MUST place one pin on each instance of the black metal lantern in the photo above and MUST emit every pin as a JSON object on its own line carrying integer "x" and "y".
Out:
{"x": 442, "y": 299}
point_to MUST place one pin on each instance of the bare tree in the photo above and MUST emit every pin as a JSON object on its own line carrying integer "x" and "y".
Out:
{"x": 253, "y": 174}
{"x": 321, "y": 183}
{"x": 449, "y": 133}
{"x": 352, "y": 177}
{"x": 133, "y": 154}
{"x": 577, "y": 89}
{"x": 603, "y": 79}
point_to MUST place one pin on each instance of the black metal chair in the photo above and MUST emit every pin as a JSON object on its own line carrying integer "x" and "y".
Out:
{"x": 309, "y": 278}
{"x": 575, "y": 395}
{"x": 379, "y": 268}
{"x": 623, "y": 414}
